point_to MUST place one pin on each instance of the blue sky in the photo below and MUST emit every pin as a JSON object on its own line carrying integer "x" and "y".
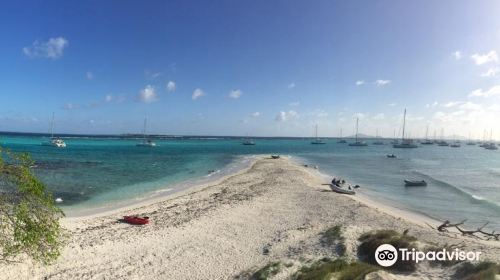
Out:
{"x": 266, "y": 68}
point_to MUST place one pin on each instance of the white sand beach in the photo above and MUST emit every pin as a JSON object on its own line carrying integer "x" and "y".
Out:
{"x": 275, "y": 210}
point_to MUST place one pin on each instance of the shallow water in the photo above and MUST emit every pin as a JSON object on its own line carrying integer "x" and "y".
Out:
{"x": 94, "y": 172}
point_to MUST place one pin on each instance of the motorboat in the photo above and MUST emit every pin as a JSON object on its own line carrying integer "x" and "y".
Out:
{"x": 415, "y": 183}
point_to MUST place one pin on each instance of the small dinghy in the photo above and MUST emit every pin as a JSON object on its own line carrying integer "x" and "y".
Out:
{"x": 391, "y": 156}
{"x": 275, "y": 156}
{"x": 134, "y": 220}
{"x": 338, "y": 189}
{"x": 415, "y": 183}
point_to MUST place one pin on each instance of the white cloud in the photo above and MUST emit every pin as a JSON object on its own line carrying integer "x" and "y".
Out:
{"x": 255, "y": 114}
{"x": 235, "y": 94}
{"x": 171, "y": 86}
{"x": 452, "y": 104}
{"x": 379, "y": 116}
{"x": 294, "y": 104}
{"x": 392, "y": 104}
{"x": 108, "y": 98}
{"x": 359, "y": 82}
{"x": 493, "y": 91}
{"x": 434, "y": 104}
{"x": 197, "y": 93}
{"x": 53, "y": 48}
{"x": 480, "y": 59}
{"x": 148, "y": 94}
{"x": 291, "y": 85}
{"x": 283, "y": 116}
{"x": 89, "y": 75}
{"x": 69, "y": 106}
{"x": 470, "y": 106}
{"x": 381, "y": 83}
{"x": 492, "y": 72}
{"x": 457, "y": 55}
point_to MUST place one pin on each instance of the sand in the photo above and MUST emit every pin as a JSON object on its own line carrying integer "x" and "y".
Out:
{"x": 274, "y": 210}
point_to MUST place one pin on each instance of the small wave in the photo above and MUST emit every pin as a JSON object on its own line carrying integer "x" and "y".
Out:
{"x": 478, "y": 197}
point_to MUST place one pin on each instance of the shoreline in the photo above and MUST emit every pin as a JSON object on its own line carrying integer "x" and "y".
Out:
{"x": 273, "y": 210}
{"x": 168, "y": 192}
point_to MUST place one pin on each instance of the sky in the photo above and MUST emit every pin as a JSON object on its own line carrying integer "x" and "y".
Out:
{"x": 262, "y": 68}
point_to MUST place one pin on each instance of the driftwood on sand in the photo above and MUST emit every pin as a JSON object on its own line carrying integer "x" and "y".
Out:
{"x": 478, "y": 233}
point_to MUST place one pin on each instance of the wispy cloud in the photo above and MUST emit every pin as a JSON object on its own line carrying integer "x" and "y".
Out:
{"x": 284, "y": 116}
{"x": 379, "y": 116}
{"x": 457, "y": 55}
{"x": 255, "y": 114}
{"x": 53, "y": 48}
{"x": 171, "y": 86}
{"x": 493, "y": 91}
{"x": 360, "y": 82}
{"x": 197, "y": 93}
{"x": 452, "y": 104}
{"x": 294, "y": 104}
{"x": 89, "y": 75}
{"x": 147, "y": 94}
{"x": 480, "y": 59}
{"x": 392, "y": 104}
{"x": 152, "y": 75}
{"x": 492, "y": 72}
{"x": 291, "y": 85}
{"x": 381, "y": 83}
{"x": 235, "y": 94}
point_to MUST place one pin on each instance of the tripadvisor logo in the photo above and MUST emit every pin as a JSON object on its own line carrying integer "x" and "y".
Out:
{"x": 387, "y": 255}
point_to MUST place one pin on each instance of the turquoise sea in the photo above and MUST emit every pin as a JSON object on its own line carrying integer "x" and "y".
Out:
{"x": 464, "y": 183}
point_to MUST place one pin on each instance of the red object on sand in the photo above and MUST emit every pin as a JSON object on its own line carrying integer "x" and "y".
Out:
{"x": 134, "y": 220}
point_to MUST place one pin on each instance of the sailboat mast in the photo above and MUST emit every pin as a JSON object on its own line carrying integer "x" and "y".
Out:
{"x": 404, "y": 124}
{"x": 316, "y": 131}
{"x": 357, "y": 121}
{"x": 144, "y": 128}
{"x": 52, "y": 127}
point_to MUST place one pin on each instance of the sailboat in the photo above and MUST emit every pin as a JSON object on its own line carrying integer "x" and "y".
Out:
{"x": 145, "y": 141}
{"x": 405, "y": 143}
{"x": 248, "y": 141}
{"x": 427, "y": 141}
{"x": 491, "y": 145}
{"x": 394, "y": 140}
{"x": 470, "y": 142}
{"x": 341, "y": 140}
{"x": 442, "y": 142}
{"x": 356, "y": 142}
{"x": 378, "y": 141}
{"x": 317, "y": 141}
{"x": 54, "y": 141}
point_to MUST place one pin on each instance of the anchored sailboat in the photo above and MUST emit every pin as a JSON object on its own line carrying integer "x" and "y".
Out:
{"x": 378, "y": 141}
{"x": 341, "y": 140}
{"x": 356, "y": 142}
{"x": 405, "y": 143}
{"x": 146, "y": 142}
{"x": 427, "y": 141}
{"x": 54, "y": 141}
{"x": 317, "y": 141}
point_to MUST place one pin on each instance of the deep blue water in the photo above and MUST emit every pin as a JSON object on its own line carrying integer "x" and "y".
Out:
{"x": 463, "y": 182}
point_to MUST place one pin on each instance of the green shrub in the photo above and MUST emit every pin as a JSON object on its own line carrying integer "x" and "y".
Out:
{"x": 326, "y": 268}
{"x": 372, "y": 240}
{"x": 480, "y": 271}
{"x": 333, "y": 236}
{"x": 267, "y": 271}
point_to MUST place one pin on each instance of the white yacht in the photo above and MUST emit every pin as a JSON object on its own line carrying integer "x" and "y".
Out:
{"x": 145, "y": 141}
{"x": 54, "y": 141}
{"x": 405, "y": 143}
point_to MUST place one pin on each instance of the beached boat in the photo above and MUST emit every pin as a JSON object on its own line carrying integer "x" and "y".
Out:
{"x": 317, "y": 141}
{"x": 338, "y": 189}
{"x": 275, "y": 156}
{"x": 357, "y": 143}
{"x": 145, "y": 141}
{"x": 135, "y": 220}
{"x": 54, "y": 141}
{"x": 405, "y": 143}
{"x": 415, "y": 183}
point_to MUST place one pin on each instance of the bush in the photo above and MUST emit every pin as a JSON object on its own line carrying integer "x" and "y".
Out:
{"x": 326, "y": 268}
{"x": 372, "y": 240}
{"x": 480, "y": 271}
{"x": 267, "y": 271}
{"x": 333, "y": 236}
{"x": 29, "y": 219}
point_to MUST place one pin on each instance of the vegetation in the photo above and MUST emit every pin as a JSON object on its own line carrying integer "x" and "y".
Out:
{"x": 333, "y": 236}
{"x": 480, "y": 271}
{"x": 371, "y": 240}
{"x": 267, "y": 271}
{"x": 339, "y": 268}
{"x": 29, "y": 219}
